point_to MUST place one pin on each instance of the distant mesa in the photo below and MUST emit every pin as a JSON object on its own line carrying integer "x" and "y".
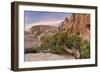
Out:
{"x": 39, "y": 29}
{"x": 76, "y": 23}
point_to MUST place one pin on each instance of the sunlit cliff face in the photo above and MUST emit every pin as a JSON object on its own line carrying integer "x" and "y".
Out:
{"x": 78, "y": 23}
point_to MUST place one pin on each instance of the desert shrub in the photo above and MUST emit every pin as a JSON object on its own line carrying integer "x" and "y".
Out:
{"x": 82, "y": 45}
{"x": 57, "y": 42}
{"x": 69, "y": 43}
{"x": 76, "y": 40}
{"x": 54, "y": 43}
{"x": 85, "y": 49}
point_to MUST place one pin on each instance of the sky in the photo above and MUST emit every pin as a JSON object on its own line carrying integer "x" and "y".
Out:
{"x": 32, "y": 18}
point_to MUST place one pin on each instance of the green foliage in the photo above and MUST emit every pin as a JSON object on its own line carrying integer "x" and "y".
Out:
{"x": 82, "y": 45}
{"x": 76, "y": 40}
{"x": 54, "y": 43}
{"x": 85, "y": 49}
{"x": 57, "y": 42}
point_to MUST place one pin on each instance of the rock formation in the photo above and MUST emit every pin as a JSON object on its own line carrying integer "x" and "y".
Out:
{"x": 78, "y": 23}
{"x": 43, "y": 30}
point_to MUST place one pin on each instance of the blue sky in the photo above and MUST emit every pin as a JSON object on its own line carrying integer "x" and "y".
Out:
{"x": 38, "y": 16}
{"x": 32, "y": 18}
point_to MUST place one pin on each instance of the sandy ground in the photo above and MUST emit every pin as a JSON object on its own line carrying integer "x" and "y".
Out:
{"x": 29, "y": 42}
{"x": 45, "y": 57}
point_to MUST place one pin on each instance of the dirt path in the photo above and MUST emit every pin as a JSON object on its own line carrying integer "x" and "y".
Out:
{"x": 45, "y": 57}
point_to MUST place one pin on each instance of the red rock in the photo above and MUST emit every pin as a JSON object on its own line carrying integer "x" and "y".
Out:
{"x": 78, "y": 23}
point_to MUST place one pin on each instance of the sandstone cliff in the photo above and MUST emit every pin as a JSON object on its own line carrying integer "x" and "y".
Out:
{"x": 78, "y": 23}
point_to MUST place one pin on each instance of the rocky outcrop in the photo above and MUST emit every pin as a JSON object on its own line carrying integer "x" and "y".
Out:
{"x": 78, "y": 23}
{"x": 39, "y": 29}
